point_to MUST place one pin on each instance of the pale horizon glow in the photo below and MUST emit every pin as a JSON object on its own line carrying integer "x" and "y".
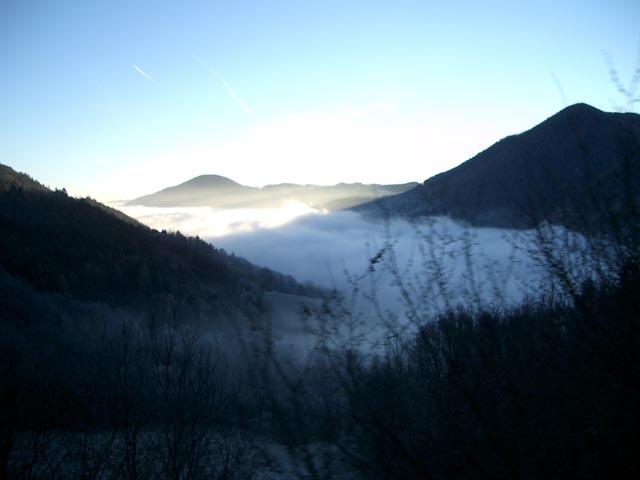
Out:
{"x": 383, "y": 149}
{"x": 121, "y": 99}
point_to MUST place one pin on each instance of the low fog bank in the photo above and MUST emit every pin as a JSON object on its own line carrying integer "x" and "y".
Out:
{"x": 388, "y": 271}
{"x": 435, "y": 263}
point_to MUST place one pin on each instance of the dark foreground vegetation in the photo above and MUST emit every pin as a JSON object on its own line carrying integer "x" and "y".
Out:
{"x": 539, "y": 391}
{"x": 107, "y": 326}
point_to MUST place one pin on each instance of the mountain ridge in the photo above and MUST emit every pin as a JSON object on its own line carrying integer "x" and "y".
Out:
{"x": 88, "y": 252}
{"x": 216, "y": 191}
{"x": 9, "y": 179}
{"x": 540, "y": 174}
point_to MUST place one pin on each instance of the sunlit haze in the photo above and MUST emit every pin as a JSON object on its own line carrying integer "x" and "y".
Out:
{"x": 119, "y": 99}
{"x": 210, "y": 222}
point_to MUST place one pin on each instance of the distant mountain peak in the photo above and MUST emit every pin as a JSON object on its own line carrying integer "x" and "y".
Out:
{"x": 210, "y": 181}
{"x": 216, "y": 191}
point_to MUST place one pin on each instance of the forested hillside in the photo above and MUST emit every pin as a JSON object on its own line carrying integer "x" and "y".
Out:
{"x": 108, "y": 325}
{"x": 88, "y": 252}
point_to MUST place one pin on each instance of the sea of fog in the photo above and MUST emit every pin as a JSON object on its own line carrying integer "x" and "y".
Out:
{"x": 393, "y": 267}
{"x": 398, "y": 265}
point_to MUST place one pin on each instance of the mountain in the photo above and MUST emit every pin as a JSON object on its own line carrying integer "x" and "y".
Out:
{"x": 82, "y": 252}
{"x": 220, "y": 192}
{"x": 9, "y": 179}
{"x": 581, "y": 159}
{"x": 108, "y": 325}
{"x": 197, "y": 192}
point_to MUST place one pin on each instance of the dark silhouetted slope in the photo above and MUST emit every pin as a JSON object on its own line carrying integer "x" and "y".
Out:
{"x": 10, "y": 179}
{"x": 87, "y": 252}
{"x": 581, "y": 158}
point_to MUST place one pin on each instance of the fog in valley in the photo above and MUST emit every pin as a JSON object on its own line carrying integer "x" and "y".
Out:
{"x": 319, "y": 240}
{"x": 293, "y": 342}
{"x": 382, "y": 269}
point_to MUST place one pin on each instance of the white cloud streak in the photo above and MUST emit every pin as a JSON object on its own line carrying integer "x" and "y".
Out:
{"x": 143, "y": 73}
{"x": 232, "y": 93}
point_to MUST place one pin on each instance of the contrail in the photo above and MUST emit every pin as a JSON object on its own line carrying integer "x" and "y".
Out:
{"x": 143, "y": 73}
{"x": 230, "y": 90}
{"x": 556, "y": 80}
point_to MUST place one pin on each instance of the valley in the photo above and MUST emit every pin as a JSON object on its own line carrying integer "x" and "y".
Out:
{"x": 214, "y": 329}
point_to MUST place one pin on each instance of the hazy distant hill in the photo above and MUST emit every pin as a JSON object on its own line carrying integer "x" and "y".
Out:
{"x": 579, "y": 159}
{"x": 220, "y": 192}
{"x": 79, "y": 249}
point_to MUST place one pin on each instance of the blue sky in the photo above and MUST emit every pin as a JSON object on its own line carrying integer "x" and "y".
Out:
{"x": 115, "y": 99}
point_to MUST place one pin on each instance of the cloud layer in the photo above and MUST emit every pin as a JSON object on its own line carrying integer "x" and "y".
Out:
{"x": 393, "y": 275}
{"x": 435, "y": 264}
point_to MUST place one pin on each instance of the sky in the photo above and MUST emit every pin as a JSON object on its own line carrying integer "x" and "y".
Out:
{"x": 116, "y": 99}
